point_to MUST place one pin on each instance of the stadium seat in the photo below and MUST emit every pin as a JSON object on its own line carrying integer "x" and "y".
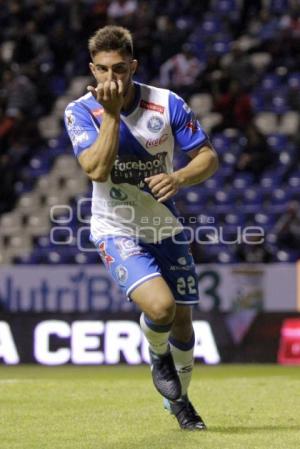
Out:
{"x": 211, "y": 26}
{"x": 271, "y": 82}
{"x": 210, "y": 120}
{"x": 260, "y": 60}
{"x": 277, "y": 142}
{"x": 289, "y": 123}
{"x": 243, "y": 180}
{"x": 252, "y": 196}
{"x": 237, "y": 219}
{"x": 293, "y": 80}
{"x": 201, "y": 104}
{"x": 264, "y": 220}
{"x": 226, "y": 6}
{"x": 266, "y": 122}
{"x": 258, "y": 101}
{"x": 294, "y": 179}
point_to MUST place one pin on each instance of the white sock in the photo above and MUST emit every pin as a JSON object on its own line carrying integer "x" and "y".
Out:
{"x": 156, "y": 334}
{"x": 183, "y": 356}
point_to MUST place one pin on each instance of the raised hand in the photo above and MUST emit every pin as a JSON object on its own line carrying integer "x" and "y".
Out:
{"x": 110, "y": 95}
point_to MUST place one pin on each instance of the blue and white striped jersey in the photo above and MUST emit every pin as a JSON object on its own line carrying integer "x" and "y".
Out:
{"x": 157, "y": 121}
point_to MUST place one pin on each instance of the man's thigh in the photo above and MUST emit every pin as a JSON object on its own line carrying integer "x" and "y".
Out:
{"x": 176, "y": 262}
{"x": 128, "y": 262}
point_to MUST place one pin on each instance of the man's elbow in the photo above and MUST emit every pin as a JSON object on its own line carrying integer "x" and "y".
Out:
{"x": 214, "y": 162}
{"x": 98, "y": 177}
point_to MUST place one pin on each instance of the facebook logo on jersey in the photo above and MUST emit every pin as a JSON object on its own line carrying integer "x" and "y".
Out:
{"x": 131, "y": 169}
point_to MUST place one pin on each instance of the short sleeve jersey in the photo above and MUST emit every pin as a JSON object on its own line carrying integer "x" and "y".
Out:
{"x": 149, "y": 131}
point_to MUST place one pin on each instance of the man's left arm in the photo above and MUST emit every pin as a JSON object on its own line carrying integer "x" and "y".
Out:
{"x": 204, "y": 164}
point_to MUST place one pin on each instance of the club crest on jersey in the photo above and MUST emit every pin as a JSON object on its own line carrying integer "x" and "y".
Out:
{"x": 155, "y": 124}
{"x": 122, "y": 274}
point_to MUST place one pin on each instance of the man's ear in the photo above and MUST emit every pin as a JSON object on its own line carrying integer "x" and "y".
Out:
{"x": 134, "y": 66}
{"x": 92, "y": 69}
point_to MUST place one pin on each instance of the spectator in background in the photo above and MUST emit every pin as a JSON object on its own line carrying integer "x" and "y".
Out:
{"x": 18, "y": 130}
{"x": 287, "y": 229}
{"x": 256, "y": 156}
{"x": 235, "y": 107}
{"x": 180, "y": 71}
{"x": 122, "y": 11}
{"x": 240, "y": 67}
{"x": 255, "y": 252}
{"x": 164, "y": 31}
{"x": 18, "y": 107}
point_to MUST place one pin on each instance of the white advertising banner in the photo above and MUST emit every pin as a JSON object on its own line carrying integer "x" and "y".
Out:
{"x": 89, "y": 288}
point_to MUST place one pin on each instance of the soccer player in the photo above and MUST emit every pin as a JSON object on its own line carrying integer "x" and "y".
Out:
{"x": 123, "y": 134}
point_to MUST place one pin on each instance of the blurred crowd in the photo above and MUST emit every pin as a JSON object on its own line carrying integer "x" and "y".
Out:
{"x": 180, "y": 45}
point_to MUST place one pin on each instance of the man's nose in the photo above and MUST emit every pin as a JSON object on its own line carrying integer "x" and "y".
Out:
{"x": 111, "y": 76}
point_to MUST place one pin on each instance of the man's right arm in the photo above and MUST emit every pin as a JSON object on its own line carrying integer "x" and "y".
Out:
{"x": 97, "y": 160}
{"x": 96, "y": 151}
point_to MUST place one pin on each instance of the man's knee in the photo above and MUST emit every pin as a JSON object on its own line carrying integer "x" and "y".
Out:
{"x": 155, "y": 299}
{"x": 162, "y": 311}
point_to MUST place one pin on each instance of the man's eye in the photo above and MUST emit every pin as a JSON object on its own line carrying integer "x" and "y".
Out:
{"x": 120, "y": 69}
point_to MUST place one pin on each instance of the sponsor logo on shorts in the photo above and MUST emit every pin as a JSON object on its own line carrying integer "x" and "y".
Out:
{"x": 128, "y": 248}
{"x": 182, "y": 265}
{"x": 152, "y": 106}
{"x": 155, "y": 123}
{"x": 156, "y": 142}
{"x": 122, "y": 274}
{"x": 107, "y": 258}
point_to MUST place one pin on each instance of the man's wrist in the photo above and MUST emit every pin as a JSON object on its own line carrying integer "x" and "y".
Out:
{"x": 116, "y": 115}
{"x": 179, "y": 178}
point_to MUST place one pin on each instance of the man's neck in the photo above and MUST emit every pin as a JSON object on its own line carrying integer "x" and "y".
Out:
{"x": 129, "y": 98}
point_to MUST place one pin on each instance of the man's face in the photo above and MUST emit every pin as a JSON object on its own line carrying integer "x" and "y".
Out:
{"x": 113, "y": 66}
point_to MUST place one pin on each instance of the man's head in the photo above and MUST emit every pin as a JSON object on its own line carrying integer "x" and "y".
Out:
{"x": 111, "y": 50}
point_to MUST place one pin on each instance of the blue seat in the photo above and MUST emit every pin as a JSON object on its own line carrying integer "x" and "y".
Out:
{"x": 211, "y": 26}
{"x": 264, "y": 220}
{"x": 270, "y": 82}
{"x": 279, "y": 6}
{"x": 277, "y": 142}
{"x": 294, "y": 179}
{"x": 225, "y": 6}
{"x": 222, "y": 197}
{"x": 258, "y": 100}
{"x": 221, "y": 46}
{"x": 252, "y": 196}
{"x": 243, "y": 180}
{"x": 277, "y": 196}
{"x": 279, "y": 102}
{"x": 221, "y": 143}
{"x": 270, "y": 180}
{"x": 293, "y": 80}
{"x": 235, "y": 219}
{"x": 287, "y": 256}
